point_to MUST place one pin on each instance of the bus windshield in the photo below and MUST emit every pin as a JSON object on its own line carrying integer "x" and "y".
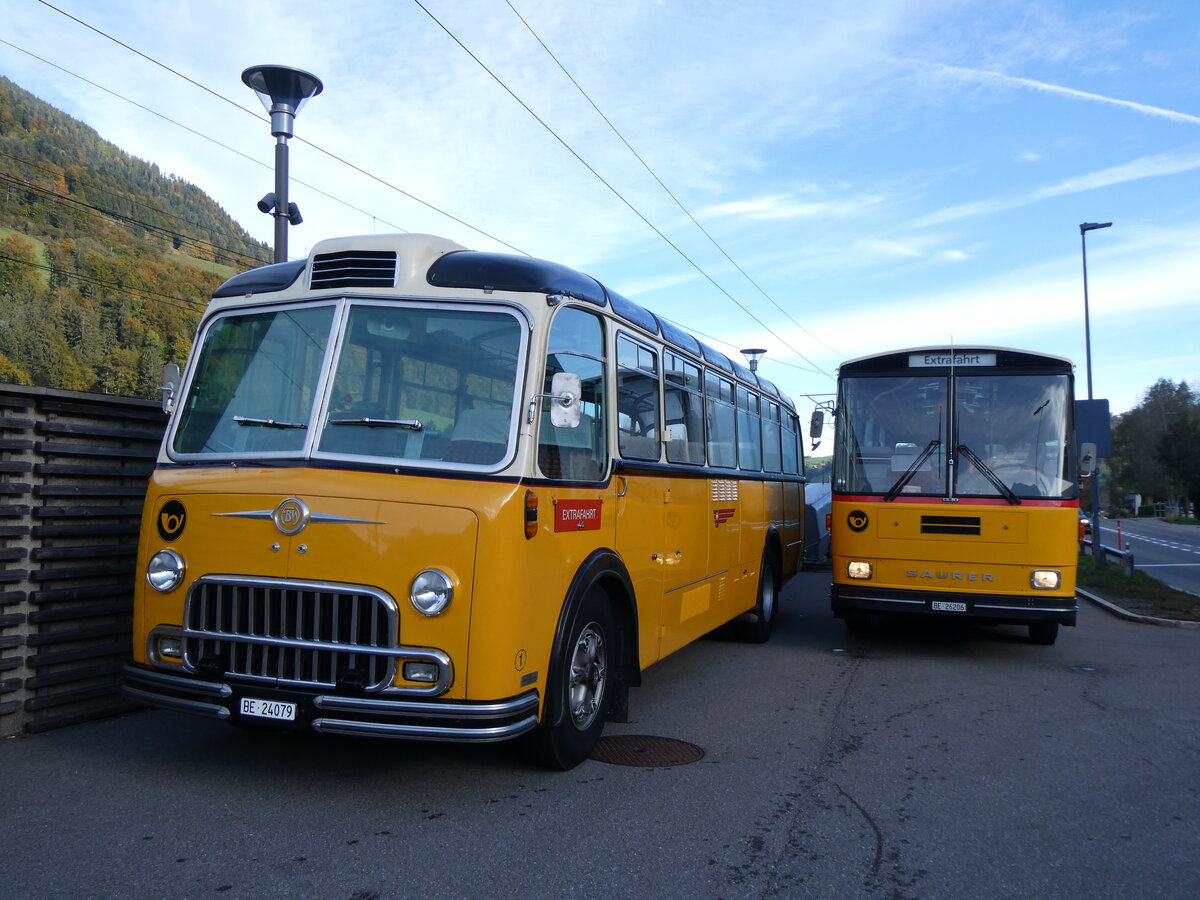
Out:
{"x": 984, "y": 435}
{"x": 410, "y": 382}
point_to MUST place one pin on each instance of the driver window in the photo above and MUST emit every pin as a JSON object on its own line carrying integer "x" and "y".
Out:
{"x": 576, "y": 345}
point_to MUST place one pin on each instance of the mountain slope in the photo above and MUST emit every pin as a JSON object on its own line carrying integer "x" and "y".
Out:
{"x": 105, "y": 263}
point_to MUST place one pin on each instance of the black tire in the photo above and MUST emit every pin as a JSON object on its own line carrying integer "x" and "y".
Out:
{"x": 857, "y": 622}
{"x": 756, "y": 626}
{"x": 1045, "y": 633}
{"x": 580, "y": 687}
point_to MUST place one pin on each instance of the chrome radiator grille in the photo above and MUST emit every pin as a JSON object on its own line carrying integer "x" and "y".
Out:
{"x": 299, "y": 633}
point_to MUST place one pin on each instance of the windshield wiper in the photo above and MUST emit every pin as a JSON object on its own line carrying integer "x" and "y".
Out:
{"x": 267, "y": 423}
{"x": 413, "y": 424}
{"x": 1005, "y": 491}
{"x": 908, "y": 473}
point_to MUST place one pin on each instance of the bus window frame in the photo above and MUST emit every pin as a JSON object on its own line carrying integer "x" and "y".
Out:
{"x": 342, "y": 306}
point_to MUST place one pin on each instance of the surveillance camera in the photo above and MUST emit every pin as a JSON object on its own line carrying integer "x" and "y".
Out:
{"x": 267, "y": 203}
{"x": 294, "y": 214}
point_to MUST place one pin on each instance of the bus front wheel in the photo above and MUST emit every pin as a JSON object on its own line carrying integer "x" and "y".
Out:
{"x": 579, "y": 687}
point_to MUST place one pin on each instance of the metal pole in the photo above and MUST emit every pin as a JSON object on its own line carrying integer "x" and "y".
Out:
{"x": 1087, "y": 326}
{"x": 281, "y": 199}
{"x": 1084, "y": 228}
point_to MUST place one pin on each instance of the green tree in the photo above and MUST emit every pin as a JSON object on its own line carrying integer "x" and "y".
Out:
{"x": 1137, "y": 466}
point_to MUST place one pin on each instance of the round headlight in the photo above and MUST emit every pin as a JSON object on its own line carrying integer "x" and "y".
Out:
{"x": 431, "y": 592}
{"x": 165, "y": 570}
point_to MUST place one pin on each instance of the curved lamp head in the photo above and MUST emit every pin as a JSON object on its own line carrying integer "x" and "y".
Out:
{"x": 753, "y": 355}
{"x": 282, "y": 91}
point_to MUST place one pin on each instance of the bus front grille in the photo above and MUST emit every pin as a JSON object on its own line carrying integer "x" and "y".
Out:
{"x": 951, "y": 525}
{"x": 291, "y": 633}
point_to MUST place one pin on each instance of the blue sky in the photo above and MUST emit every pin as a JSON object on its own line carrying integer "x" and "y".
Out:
{"x": 822, "y": 179}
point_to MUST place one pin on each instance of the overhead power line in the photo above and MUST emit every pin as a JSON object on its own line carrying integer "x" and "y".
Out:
{"x": 394, "y": 187}
{"x": 186, "y": 305}
{"x": 666, "y": 189}
{"x": 611, "y": 188}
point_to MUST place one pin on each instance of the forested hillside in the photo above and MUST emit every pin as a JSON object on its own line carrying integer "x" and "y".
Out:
{"x": 105, "y": 263}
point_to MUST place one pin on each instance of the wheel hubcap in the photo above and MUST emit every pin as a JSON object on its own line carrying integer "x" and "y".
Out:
{"x": 589, "y": 668}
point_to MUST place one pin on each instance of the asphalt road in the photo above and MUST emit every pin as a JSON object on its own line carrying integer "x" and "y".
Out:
{"x": 1170, "y": 553}
{"x": 903, "y": 763}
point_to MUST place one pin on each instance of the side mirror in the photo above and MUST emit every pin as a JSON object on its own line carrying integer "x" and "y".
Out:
{"x": 1087, "y": 459}
{"x": 565, "y": 390}
{"x": 170, "y": 386}
{"x": 816, "y": 424}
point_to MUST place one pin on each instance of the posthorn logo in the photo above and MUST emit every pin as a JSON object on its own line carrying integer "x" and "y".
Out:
{"x": 857, "y": 520}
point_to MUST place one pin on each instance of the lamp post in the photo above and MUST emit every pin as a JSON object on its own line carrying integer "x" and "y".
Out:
{"x": 1084, "y": 228}
{"x": 282, "y": 91}
{"x": 753, "y": 355}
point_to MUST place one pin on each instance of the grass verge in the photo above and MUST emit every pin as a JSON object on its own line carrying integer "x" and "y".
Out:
{"x": 1138, "y": 593}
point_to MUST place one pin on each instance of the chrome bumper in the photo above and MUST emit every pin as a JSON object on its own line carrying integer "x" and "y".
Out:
{"x": 376, "y": 716}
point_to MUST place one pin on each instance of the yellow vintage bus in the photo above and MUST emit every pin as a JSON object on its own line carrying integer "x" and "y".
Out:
{"x": 416, "y": 491}
{"x": 955, "y": 488}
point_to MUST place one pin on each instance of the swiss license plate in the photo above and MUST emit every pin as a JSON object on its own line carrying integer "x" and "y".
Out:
{"x": 948, "y": 606}
{"x": 268, "y": 709}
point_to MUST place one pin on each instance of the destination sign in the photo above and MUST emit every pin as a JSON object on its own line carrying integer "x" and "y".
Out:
{"x": 925, "y": 360}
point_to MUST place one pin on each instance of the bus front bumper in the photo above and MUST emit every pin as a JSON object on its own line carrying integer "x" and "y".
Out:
{"x": 375, "y": 715}
{"x": 1015, "y": 609}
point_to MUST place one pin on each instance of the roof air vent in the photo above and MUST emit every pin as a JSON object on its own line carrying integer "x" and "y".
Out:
{"x": 354, "y": 268}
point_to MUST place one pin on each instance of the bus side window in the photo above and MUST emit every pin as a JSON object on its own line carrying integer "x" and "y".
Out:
{"x": 772, "y": 460}
{"x": 637, "y": 400}
{"x": 580, "y": 453}
{"x": 683, "y": 413}
{"x": 749, "y": 431}
{"x": 722, "y": 439}
{"x": 792, "y": 455}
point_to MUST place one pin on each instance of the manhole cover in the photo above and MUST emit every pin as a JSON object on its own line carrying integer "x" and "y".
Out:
{"x": 645, "y": 750}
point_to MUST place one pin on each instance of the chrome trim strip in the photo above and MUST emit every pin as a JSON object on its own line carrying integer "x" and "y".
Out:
{"x": 178, "y": 682}
{"x": 179, "y": 704}
{"x": 425, "y": 732}
{"x": 317, "y": 518}
{"x": 1027, "y": 609}
{"x": 515, "y": 706}
{"x": 882, "y": 599}
{"x": 697, "y": 581}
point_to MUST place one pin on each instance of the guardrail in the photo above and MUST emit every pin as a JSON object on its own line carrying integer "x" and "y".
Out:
{"x": 1124, "y": 557}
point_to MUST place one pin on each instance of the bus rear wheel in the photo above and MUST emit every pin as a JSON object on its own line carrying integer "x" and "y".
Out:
{"x": 1043, "y": 632}
{"x": 756, "y": 626}
{"x": 580, "y": 687}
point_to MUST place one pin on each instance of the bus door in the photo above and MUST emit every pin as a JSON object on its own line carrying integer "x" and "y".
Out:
{"x": 691, "y": 599}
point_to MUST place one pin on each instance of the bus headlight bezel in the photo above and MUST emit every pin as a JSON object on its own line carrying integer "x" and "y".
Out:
{"x": 859, "y": 570}
{"x": 431, "y": 592}
{"x": 165, "y": 570}
{"x": 1045, "y": 579}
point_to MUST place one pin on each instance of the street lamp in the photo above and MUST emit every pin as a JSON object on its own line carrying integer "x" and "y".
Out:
{"x": 753, "y": 355}
{"x": 282, "y": 91}
{"x": 1084, "y": 228}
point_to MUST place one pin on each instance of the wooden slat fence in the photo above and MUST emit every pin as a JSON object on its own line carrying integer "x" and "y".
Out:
{"x": 73, "y": 471}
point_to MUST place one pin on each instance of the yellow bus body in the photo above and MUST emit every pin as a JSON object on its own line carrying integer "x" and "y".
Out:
{"x": 694, "y": 575}
{"x": 1011, "y": 543}
{"x": 570, "y": 555}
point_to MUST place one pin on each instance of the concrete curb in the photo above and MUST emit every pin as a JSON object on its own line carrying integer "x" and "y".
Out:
{"x": 1133, "y": 617}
